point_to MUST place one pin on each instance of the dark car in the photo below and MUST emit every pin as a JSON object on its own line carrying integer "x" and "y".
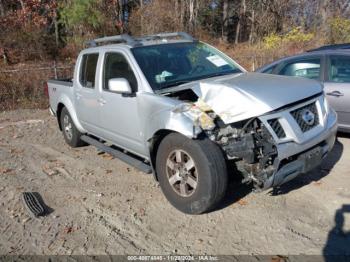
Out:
{"x": 328, "y": 64}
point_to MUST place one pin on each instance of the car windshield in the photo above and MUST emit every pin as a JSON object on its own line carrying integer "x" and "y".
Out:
{"x": 168, "y": 65}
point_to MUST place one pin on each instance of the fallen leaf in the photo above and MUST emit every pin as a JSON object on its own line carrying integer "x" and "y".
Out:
{"x": 68, "y": 230}
{"x": 17, "y": 136}
{"x": 49, "y": 171}
{"x": 107, "y": 156}
{"x": 16, "y": 151}
{"x": 142, "y": 212}
{"x": 317, "y": 183}
{"x": 5, "y": 170}
{"x": 242, "y": 202}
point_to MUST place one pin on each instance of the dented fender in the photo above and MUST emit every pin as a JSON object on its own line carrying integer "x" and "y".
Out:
{"x": 169, "y": 120}
{"x": 158, "y": 114}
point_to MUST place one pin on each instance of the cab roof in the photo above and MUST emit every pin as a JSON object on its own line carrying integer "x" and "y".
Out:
{"x": 127, "y": 40}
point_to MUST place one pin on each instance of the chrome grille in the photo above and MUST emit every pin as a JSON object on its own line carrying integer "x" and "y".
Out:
{"x": 277, "y": 128}
{"x": 298, "y": 116}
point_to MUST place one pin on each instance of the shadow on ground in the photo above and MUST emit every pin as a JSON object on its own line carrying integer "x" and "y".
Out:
{"x": 337, "y": 247}
{"x": 235, "y": 189}
{"x": 313, "y": 176}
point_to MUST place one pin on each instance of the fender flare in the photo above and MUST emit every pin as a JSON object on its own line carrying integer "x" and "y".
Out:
{"x": 67, "y": 103}
{"x": 163, "y": 123}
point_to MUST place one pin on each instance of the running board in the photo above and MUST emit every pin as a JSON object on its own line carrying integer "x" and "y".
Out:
{"x": 132, "y": 161}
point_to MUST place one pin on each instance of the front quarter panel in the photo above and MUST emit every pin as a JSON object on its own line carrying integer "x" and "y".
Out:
{"x": 156, "y": 113}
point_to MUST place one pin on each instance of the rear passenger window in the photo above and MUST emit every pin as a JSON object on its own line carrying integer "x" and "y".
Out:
{"x": 339, "y": 70}
{"x": 88, "y": 70}
{"x": 308, "y": 68}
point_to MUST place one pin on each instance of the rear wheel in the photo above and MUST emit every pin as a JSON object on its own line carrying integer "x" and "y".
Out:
{"x": 191, "y": 173}
{"x": 70, "y": 132}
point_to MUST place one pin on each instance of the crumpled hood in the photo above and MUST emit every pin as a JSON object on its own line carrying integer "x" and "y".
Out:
{"x": 238, "y": 97}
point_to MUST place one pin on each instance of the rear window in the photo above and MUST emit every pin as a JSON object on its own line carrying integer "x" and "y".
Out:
{"x": 88, "y": 70}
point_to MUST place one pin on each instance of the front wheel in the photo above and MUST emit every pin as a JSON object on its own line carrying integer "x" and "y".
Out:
{"x": 70, "y": 132}
{"x": 192, "y": 173}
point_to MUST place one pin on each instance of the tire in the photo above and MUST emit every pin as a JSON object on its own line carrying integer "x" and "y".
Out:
{"x": 175, "y": 153}
{"x": 70, "y": 133}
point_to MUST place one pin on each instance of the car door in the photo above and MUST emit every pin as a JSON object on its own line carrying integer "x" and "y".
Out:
{"x": 308, "y": 67}
{"x": 86, "y": 93}
{"x": 337, "y": 87}
{"x": 119, "y": 112}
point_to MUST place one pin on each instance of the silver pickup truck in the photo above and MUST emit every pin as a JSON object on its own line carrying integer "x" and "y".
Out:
{"x": 176, "y": 107}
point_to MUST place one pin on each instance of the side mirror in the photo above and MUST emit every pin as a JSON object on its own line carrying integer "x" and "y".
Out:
{"x": 119, "y": 85}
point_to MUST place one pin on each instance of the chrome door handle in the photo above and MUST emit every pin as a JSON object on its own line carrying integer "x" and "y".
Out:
{"x": 335, "y": 93}
{"x": 101, "y": 101}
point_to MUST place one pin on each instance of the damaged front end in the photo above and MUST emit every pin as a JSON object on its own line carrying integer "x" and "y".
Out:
{"x": 260, "y": 129}
{"x": 248, "y": 143}
{"x": 269, "y": 143}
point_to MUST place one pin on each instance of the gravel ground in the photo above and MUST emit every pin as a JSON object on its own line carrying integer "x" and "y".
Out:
{"x": 102, "y": 206}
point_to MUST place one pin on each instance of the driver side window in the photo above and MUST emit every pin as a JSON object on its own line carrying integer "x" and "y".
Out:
{"x": 116, "y": 66}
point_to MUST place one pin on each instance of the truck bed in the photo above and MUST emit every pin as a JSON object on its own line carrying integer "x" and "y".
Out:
{"x": 61, "y": 81}
{"x": 59, "y": 89}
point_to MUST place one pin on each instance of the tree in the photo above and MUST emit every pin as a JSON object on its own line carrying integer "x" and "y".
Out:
{"x": 77, "y": 14}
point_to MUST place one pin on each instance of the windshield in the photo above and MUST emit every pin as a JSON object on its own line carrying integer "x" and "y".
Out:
{"x": 178, "y": 63}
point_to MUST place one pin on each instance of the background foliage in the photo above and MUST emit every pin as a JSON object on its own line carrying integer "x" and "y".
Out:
{"x": 254, "y": 32}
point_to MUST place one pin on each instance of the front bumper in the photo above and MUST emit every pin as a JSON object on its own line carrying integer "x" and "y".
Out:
{"x": 304, "y": 156}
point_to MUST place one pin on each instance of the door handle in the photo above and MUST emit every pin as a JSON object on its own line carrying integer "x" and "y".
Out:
{"x": 335, "y": 93}
{"x": 101, "y": 101}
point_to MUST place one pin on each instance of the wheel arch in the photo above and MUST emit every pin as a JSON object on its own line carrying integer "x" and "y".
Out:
{"x": 60, "y": 106}
{"x": 65, "y": 102}
{"x": 154, "y": 143}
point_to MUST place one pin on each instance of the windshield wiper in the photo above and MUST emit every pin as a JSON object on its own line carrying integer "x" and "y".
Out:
{"x": 176, "y": 83}
{"x": 219, "y": 74}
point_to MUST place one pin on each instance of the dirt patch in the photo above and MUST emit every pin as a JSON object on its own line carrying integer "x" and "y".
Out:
{"x": 103, "y": 206}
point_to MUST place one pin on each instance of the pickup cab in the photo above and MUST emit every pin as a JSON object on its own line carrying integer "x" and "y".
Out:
{"x": 176, "y": 107}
